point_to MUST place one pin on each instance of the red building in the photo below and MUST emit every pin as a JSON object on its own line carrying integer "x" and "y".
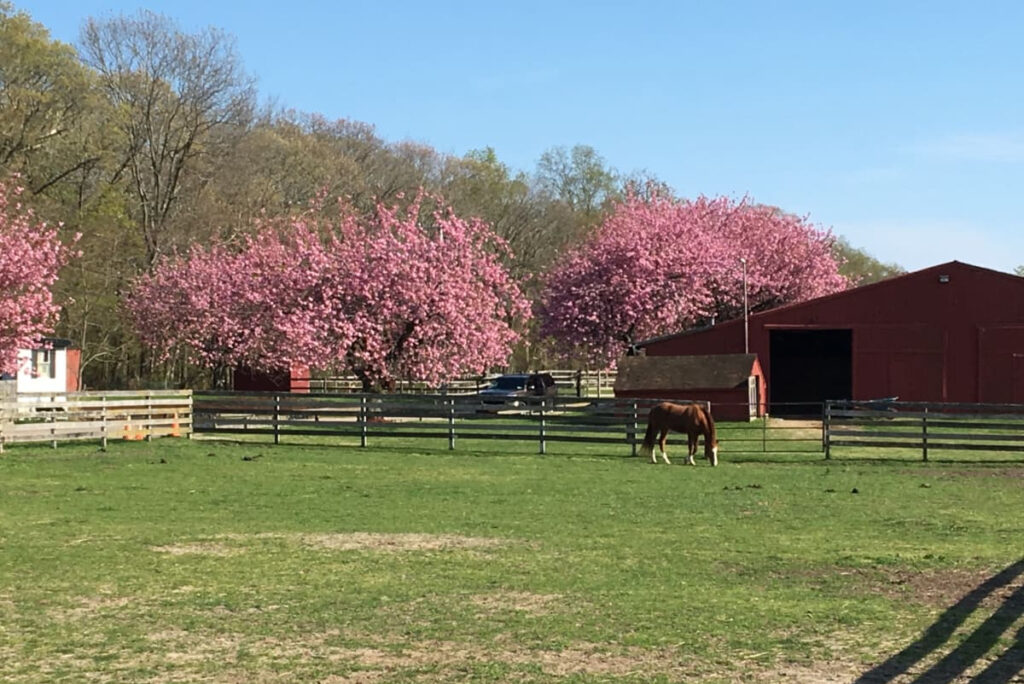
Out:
{"x": 733, "y": 383}
{"x": 295, "y": 379}
{"x": 952, "y": 332}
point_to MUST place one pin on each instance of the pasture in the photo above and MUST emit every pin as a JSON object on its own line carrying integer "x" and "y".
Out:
{"x": 182, "y": 560}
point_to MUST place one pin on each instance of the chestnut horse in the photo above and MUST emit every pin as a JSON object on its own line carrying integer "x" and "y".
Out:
{"x": 691, "y": 419}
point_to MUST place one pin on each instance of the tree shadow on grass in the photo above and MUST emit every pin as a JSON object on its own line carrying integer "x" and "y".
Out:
{"x": 968, "y": 652}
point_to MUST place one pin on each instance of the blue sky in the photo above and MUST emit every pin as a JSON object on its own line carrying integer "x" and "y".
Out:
{"x": 897, "y": 124}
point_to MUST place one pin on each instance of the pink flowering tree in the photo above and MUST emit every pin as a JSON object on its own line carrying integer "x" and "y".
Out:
{"x": 31, "y": 255}
{"x": 416, "y": 293}
{"x": 658, "y": 266}
{"x": 260, "y": 305}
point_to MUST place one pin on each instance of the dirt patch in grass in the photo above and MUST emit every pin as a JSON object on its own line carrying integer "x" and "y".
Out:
{"x": 346, "y": 541}
{"x": 204, "y": 548}
{"x": 357, "y": 541}
{"x": 373, "y": 541}
{"x": 89, "y": 606}
{"x": 935, "y": 588}
{"x": 518, "y": 601}
{"x": 378, "y": 659}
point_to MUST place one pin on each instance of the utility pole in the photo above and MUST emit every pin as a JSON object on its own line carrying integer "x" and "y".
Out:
{"x": 746, "y": 315}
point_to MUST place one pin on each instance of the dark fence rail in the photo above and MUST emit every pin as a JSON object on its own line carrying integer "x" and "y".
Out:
{"x": 456, "y": 417}
{"x": 924, "y": 426}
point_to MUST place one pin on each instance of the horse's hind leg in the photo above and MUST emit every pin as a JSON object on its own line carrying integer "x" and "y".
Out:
{"x": 661, "y": 443}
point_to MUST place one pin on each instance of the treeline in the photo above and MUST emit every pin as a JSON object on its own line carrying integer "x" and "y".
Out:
{"x": 145, "y": 138}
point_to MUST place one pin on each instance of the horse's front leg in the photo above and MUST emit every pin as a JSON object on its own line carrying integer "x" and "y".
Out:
{"x": 691, "y": 449}
{"x": 661, "y": 443}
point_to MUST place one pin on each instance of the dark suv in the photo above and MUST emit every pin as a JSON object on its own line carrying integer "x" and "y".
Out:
{"x": 516, "y": 388}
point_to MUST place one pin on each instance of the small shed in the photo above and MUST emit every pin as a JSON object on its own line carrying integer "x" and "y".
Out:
{"x": 733, "y": 383}
{"x": 294, "y": 379}
{"x": 51, "y": 366}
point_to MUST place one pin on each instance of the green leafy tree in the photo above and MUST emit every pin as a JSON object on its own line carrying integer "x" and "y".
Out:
{"x": 859, "y": 267}
{"x": 580, "y": 178}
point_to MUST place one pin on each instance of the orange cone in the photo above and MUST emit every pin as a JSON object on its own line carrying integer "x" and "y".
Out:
{"x": 175, "y": 430}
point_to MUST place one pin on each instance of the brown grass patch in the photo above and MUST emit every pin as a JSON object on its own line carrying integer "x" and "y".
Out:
{"x": 518, "y": 601}
{"x": 359, "y": 541}
{"x": 935, "y": 588}
{"x": 204, "y": 548}
{"x": 88, "y": 606}
{"x": 376, "y": 541}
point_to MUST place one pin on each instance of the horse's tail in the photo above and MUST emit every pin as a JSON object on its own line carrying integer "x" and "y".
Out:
{"x": 711, "y": 439}
{"x": 647, "y": 446}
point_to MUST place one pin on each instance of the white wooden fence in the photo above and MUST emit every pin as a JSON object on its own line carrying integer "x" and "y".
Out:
{"x": 130, "y": 415}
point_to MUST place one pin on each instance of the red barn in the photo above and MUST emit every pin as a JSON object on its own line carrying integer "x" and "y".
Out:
{"x": 952, "y": 332}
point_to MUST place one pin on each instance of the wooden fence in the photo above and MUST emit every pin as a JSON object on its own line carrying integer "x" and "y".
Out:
{"x": 442, "y": 416}
{"x": 366, "y": 417}
{"x": 59, "y": 417}
{"x": 923, "y": 426}
{"x": 569, "y": 382}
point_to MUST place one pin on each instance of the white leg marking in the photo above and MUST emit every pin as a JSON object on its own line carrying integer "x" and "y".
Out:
{"x": 664, "y": 457}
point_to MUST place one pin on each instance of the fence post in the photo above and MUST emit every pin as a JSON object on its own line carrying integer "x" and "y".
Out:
{"x": 362, "y": 420}
{"x": 636, "y": 425}
{"x": 451, "y": 424}
{"x": 826, "y": 430}
{"x": 924, "y": 435}
{"x": 149, "y": 416}
{"x": 543, "y": 443}
{"x": 277, "y": 418}
{"x": 103, "y": 419}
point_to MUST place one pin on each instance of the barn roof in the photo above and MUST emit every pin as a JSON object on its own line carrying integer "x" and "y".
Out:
{"x": 719, "y": 371}
{"x": 769, "y": 314}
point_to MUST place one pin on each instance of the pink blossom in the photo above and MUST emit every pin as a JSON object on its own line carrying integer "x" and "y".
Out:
{"x": 405, "y": 293}
{"x": 31, "y": 255}
{"x": 659, "y": 266}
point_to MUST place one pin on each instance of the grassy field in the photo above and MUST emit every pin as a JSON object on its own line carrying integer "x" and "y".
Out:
{"x": 210, "y": 561}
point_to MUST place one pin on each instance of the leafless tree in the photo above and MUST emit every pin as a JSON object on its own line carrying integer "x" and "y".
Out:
{"x": 176, "y": 95}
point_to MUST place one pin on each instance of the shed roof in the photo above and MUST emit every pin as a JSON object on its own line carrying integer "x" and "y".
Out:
{"x": 718, "y": 371}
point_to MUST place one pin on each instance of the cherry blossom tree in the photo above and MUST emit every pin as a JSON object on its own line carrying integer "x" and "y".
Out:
{"x": 31, "y": 255}
{"x": 259, "y": 305}
{"x": 405, "y": 293}
{"x": 658, "y": 265}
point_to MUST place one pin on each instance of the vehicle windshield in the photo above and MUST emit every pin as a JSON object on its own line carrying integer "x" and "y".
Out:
{"x": 509, "y": 384}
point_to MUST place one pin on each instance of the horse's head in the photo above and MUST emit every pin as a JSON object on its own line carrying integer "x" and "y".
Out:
{"x": 711, "y": 451}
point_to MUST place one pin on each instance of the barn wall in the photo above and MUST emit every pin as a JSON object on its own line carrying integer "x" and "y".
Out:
{"x": 913, "y": 336}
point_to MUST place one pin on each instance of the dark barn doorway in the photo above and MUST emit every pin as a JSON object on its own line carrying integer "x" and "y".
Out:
{"x": 808, "y": 367}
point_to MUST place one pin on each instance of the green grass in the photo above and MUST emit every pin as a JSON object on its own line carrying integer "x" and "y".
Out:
{"x": 213, "y": 561}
